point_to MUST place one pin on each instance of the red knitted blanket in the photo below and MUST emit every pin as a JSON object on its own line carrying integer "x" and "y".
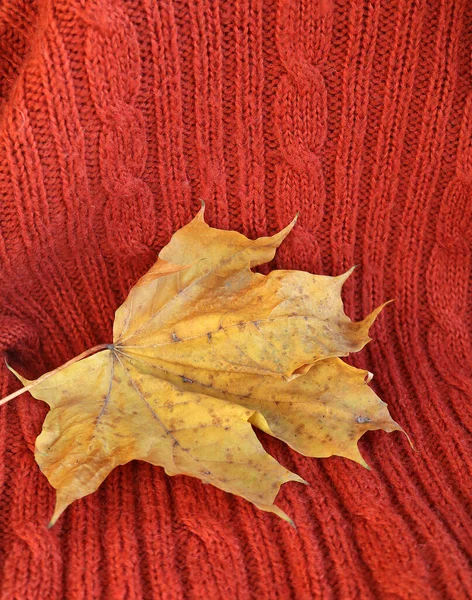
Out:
{"x": 116, "y": 118}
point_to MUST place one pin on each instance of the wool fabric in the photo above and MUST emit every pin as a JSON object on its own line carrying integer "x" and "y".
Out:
{"x": 116, "y": 118}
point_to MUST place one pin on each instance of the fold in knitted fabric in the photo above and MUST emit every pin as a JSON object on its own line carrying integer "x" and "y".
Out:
{"x": 116, "y": 118}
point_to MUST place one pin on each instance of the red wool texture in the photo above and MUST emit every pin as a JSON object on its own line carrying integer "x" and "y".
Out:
{"x": 116, "y": 118}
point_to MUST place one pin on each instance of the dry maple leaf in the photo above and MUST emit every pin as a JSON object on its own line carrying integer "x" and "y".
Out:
{"x": 203, "y": 350}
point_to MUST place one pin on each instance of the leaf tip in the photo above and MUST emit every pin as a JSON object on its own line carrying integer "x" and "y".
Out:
{"x": 200, "y": 216}
{"x": 345, "y": 276}
{"x": 54, "y": 519}
{"x": 299, "y": 479}
{"x": 61, "y": 505}
{"x": 401, "y": 430}
{"x": 355, "y": 455}
{"x": 283, "y": 515}
{"x": 279, "y": 237}
{"x": 370, "y": 319}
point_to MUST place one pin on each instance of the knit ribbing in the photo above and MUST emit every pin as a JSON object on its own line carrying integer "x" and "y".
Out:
{"x": 301, "y": 125}
{"x": 116, "y": 118}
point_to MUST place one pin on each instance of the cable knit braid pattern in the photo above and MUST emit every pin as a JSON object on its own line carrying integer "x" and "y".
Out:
{"x": 117, "y": 117}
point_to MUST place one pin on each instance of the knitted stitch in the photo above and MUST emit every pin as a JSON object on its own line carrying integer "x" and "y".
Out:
{"x": 116, "y": 118}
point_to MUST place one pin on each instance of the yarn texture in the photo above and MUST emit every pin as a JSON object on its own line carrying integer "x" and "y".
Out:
{"x": 116, "y": 118}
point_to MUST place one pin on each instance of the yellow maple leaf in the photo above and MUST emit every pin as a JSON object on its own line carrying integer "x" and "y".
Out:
{"x": 204, "y": 349}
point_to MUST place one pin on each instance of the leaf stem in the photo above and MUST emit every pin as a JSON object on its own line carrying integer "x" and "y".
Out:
{"x": 51, "y": 373}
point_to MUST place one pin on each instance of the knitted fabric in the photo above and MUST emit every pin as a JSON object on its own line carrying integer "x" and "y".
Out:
{"x": 116, "y": 118}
